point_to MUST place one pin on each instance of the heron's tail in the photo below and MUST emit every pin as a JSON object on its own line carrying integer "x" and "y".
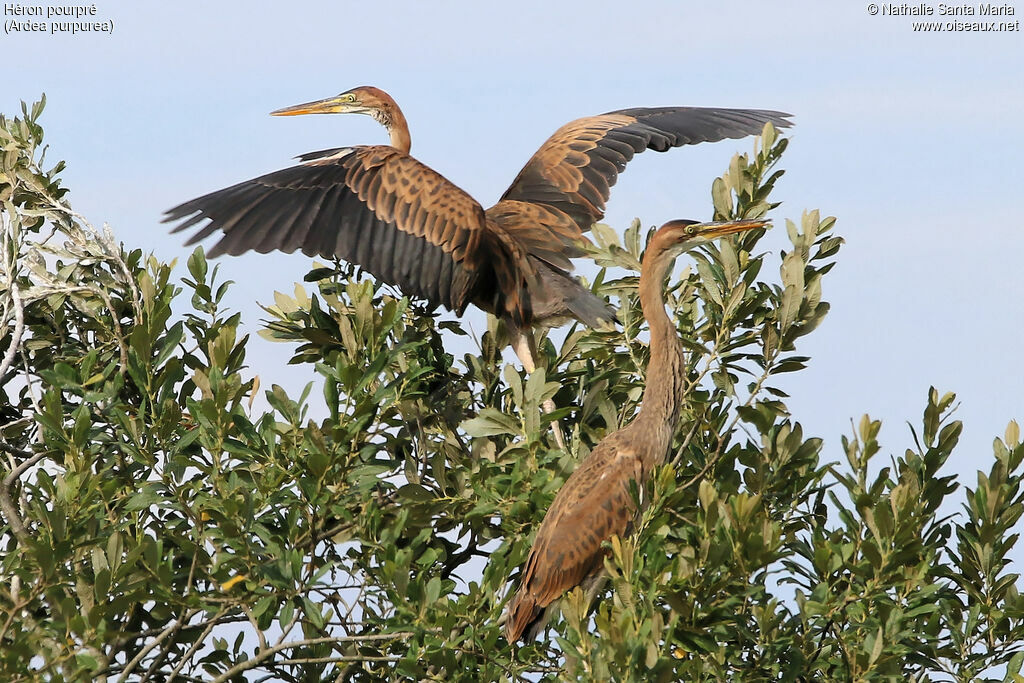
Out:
{"x": 561, "y": 296}
{"x": 590, "y": 309}
{"x": 524, "y": 618}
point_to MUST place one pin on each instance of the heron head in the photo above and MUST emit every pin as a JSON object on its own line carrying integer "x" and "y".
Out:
{"x": 365, "y": 99}
{"x": 683, "y": 235}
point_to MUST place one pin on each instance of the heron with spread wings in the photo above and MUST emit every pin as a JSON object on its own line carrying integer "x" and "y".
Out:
{"x": 377, "y": 206}
{"x": 595, "y": 502}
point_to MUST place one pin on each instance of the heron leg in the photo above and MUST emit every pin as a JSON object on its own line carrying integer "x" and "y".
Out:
{"x": 525, "y": 347}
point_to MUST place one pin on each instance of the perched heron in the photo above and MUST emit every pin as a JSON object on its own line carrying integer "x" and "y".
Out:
{"x": 595, "y": 503}
{"x": 400, "y": 220}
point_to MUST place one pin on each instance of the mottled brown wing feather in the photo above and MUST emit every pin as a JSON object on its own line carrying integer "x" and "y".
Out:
{"x": 573, "y": 171}
{"x": 593, "y": 505}
{"x": 372, "y": 205}
{"x": 545, "y": 233}
{"x": 549, "y": 238}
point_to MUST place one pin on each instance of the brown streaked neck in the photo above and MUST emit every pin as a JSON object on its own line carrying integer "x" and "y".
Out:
{"x": 398, "y": 128}
{"x": 663, "y": 395}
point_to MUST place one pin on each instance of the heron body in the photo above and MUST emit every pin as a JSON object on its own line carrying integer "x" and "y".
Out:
{"x": 595, "y": 502}
{"x": 377, "y": 206}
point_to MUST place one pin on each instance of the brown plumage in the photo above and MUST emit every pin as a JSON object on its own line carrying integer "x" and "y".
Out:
{"x": 411, "y": 227}
{"x": 595, "y": 503}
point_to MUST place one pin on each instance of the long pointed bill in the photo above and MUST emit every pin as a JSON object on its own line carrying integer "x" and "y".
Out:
{"x": 330, "y": 105}
{"x": 716, "y": 229}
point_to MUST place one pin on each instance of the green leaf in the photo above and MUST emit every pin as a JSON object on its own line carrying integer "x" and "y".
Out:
{"x": 491, "y": 422}
{"x": 433, "y": 589}
{"x": 789, "y": 308}
{"x": 197, "y": 265}
{"x": 721, "y": 198}
{"x": 605, "y": 235}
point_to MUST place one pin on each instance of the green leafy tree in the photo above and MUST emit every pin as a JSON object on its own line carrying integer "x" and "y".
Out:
{"x": 156, "y": 527}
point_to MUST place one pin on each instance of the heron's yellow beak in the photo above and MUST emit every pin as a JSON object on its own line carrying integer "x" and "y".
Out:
{"x": 718, "y": 229}
{"x": 331, "y": 105}
{"x": 687, "y": 235}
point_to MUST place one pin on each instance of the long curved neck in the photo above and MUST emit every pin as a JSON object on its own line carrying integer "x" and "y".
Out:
{"x": 663, "y": 395}
{"x": 398, "y": 128}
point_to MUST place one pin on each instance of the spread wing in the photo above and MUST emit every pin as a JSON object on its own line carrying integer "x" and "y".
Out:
{"x": 593, "y": 505}
{"x": 371, "y": 205}
{"x": 575, "y": 169}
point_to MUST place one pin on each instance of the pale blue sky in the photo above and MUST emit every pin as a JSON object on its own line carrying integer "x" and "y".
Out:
{"x": 911, "y": 139}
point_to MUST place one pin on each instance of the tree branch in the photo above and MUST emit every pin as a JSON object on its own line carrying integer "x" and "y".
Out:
{"x": 196, "y": 644}
{"x": 270, "y": 652}
{"x": 13, "y": 450}
{"x": 19, "y": 325}
{"x": 137, "y": 659}
{"x": 7, "y": 505}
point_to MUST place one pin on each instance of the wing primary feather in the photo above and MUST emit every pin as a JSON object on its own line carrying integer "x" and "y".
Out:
{"x": 221, "y": 209}
{"x": 237, "y": 233}
{"x": 362, "y": 240}
{"x": 343, "y": 244}
{"x": 327, "y": 222}
{"x": 280, "y": 222}
{"x": 430, "y": 271}
{"x": 383, "y": 250}
{"x": 574, "y": 170}
{"x": 405, "y": 256}
{"x": 444, "y": 282}
{"x": 275, "y": 224}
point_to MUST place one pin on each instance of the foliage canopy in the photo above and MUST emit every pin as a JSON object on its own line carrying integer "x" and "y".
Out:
{"x": 156, "y": 527}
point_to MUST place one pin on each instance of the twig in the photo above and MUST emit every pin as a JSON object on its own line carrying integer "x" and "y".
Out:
{"x": 19, "y": 326}
{"x": 134, "y": 635}
{"x": 33, "y": 392}
{"x": 196, "y": 644}
{"x": 165, "y": 650}
{"x": 339, "y": 658}
{"x": 343, "y": 673}
{"x": 270, "y": 652}
{"x": 687, "y": 439}
{"x": 167, "y": 631}
{"x": 17, "y": 607}
{"x": 697, "y": 477}
{"x": 118, "y": 334}
{"x": 49, "y": 288}
{"x": 821, "y": 643}
{"x": 7, "y": 505}
{"x": 842, "y": 648}
{"x": 20, "y": 469}
{"x": 115, "y": 253}
{"x": 255, "y": 627}
{"x": 106, "y": 239}
{"x": 17, "y": 452}
{"x": 116, "y": 671}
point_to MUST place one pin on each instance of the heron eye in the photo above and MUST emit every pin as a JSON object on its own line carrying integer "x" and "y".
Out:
{"x": 691, "y": 230}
